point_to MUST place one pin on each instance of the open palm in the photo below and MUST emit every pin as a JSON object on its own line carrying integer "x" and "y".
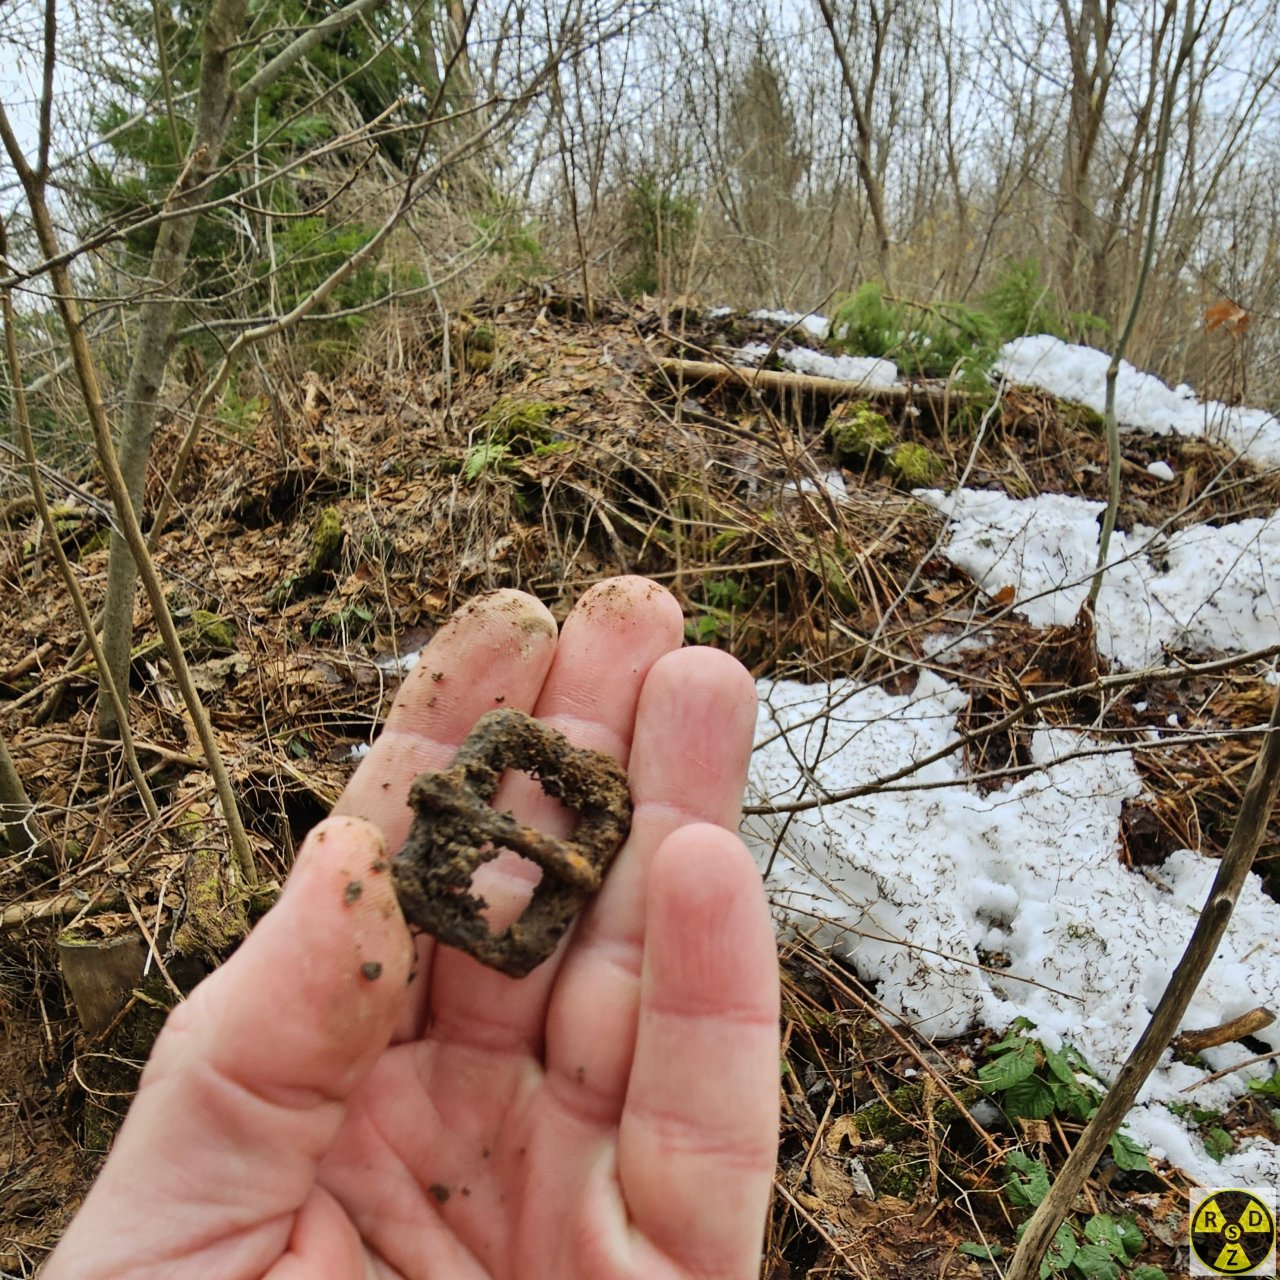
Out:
{"x": 312, "y": 1110}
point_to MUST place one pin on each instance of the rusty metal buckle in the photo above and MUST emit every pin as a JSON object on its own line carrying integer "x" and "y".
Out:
{"x": 456, "y": 830}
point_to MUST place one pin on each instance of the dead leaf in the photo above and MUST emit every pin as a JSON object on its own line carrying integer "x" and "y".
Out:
{"x": 1005, "y": 596}
{"x": 315, "y": 398}
{"x": 1226, "y": 315}
{"x": 843, "y": 1129}
{"x": 831, "y": 1185}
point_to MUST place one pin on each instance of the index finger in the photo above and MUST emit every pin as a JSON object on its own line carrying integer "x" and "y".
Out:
{"x": 495, "y": 651}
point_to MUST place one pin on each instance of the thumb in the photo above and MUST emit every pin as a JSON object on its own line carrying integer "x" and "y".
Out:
{"x": 248, "y": 1081}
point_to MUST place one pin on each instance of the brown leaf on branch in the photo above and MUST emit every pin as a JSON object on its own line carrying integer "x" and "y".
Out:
{"x": 1226, "y": 315}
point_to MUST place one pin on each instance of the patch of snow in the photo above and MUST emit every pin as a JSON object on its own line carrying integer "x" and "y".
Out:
{"x": 359, "y": 751}
{"x": 865, "y": 371}
{"x": 832, "y": 482}
{"x": 392, "y": 665}
{"x": 752, "y": 353}
{"x": 920, "y": 889}
{"x": 813, "y": 324}
{"x": 947, "y": 646}
{"x": 1142, "y": 400}
{"x": 719, "y": 313}
{"x": 1202, "y": 588}
{"x": 1161, "y": 471}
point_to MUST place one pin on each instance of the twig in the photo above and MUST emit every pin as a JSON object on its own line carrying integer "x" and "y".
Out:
{"x": 1246, "y": 1024}
{"x": 1232, "y": 1069}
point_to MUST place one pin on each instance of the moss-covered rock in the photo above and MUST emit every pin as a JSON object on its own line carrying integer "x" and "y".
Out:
{"x": 858, "y": 432}
{"x": 208, "y": 633}
{"x": 479, "y": 346}
{"x": 914, "y": 466}
{"x": 326, "y": 542}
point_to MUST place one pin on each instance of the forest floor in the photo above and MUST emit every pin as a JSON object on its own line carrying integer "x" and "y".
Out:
{"x": 546, "y": 452}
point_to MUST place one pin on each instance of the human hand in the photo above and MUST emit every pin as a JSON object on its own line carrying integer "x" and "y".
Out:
{"x": 313, "y": 1111}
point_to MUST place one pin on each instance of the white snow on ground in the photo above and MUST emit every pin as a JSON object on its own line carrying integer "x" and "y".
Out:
{"x": 1202, "y": 588}
{"x": 814, "y": 325}
{"x": 866, "y": 371}
{"x": 915, "y": 887}
{"x": 832, "y": 482}
{"x": 1143, "y": 401}
{"x": 966, "y": 909}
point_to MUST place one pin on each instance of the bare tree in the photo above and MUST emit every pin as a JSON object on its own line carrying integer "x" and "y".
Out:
{"x": 862, "y": 100}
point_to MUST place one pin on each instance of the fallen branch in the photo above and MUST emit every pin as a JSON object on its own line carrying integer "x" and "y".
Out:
{"x": 23, "y": 913}
{"x": 1247, "y": 1024}
{"x": 936, "y": 395}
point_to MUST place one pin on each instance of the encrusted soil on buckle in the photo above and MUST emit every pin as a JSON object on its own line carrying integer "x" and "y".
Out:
{"x": 456, "y": 832}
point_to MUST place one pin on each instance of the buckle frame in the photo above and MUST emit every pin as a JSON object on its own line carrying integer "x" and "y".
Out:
{"x": 456, "y": 830}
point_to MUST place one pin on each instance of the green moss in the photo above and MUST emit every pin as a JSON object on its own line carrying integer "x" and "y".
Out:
{"x": 510, "y": 419}
{"x": 891, "y": 1174}
{"x": 858, "y": 431}
{"x": 1079, "y": 417}
{"x": 828, "y": 566}
{"x": 902, "y": 1116}
{"x": 209, "y": 633}
{"x": 213, "y": 921}
{"x": 326, "y": 542}
{"x": 914, "y": 466}
{"x": 895, "y": 1120}
{"x": 98, "y": 542}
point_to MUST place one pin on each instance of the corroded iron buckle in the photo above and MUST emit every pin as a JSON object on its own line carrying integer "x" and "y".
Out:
{"x": 456, "y": 830}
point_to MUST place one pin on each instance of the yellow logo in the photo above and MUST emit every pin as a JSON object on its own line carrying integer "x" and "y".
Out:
{"x": 1233, "y": 1232}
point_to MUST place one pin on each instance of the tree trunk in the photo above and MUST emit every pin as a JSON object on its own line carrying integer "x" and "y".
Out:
{"x": 1088, "y": 43}
{"x": 17, "y": 813}
{"x": 214, "y": 112}
{"x": 216, "y": 107}
{"x": 865, "y": 143}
